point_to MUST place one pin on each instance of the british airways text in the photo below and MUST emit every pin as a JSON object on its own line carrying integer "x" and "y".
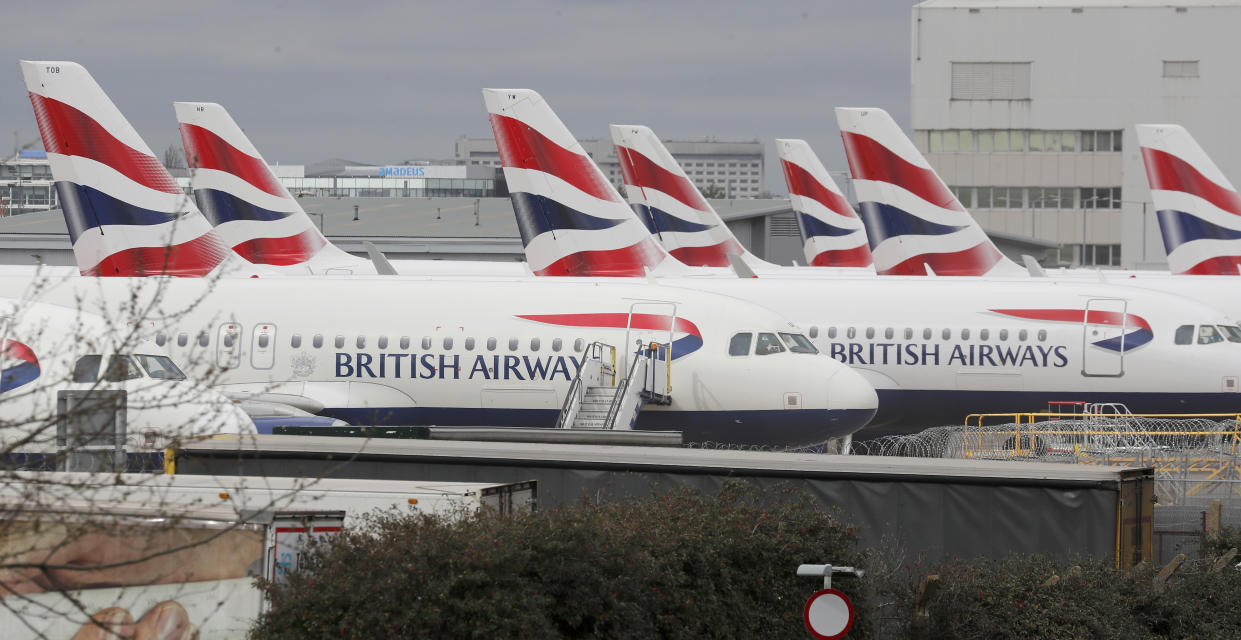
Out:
{"x": 451, "y": 367}
{"x": 969, "y": 355}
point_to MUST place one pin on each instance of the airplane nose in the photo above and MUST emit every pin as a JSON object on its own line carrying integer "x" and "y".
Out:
{"x": 851, "y": 401}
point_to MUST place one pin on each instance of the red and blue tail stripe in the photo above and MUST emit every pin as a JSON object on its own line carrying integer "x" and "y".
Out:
{"x": 1199, "y": 212}
{"x": 913, "y": 221}
{"x": 125, "y": 213}
{"x": 832, "y": 234}
{"x": 683, "y": 346}
{"x": 572, "y": 221}
{"x": 1138, "y": 329}
{"x": 20, "y": 366}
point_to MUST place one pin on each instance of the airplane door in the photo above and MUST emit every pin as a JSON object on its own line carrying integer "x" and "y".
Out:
{"x": 642, "y": 329}
{"x": 263, "y": 346}
{"x": 1104, "y": 330}
{"x": 228, "y": 346}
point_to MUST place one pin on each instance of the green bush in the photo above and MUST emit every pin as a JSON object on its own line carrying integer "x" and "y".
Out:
{"x": 1011, "y": 598}
{"x": 676, "y": 565}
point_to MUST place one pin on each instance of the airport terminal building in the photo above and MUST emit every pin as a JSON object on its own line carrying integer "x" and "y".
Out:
{"x": 1027, "y": 109}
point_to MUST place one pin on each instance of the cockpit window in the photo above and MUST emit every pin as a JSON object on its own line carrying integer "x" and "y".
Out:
{"x": 740, "y": 344}
{"x": 1231, "y": 331}
{"x": 767, "y": 344}
{"x": 797, "y": 343}
{"x": 1185, "y": 334}
{"x": 121, "y": 368}
{"x": 87, "y": 369}
{"x": 160, "y": 367}
{"x": 1208, "y": 334}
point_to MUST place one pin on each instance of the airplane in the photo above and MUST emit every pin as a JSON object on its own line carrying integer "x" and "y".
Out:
{"x": 720, "y": 396}
{"x": 477, "y": 352}
{"x": 832, "y": 234}
{"x": 45, "y": 349}
{"x": 991, "y": 346}
{"x": 895, "y": 192}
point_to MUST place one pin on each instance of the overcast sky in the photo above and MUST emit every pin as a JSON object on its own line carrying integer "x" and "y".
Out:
{"x": 386, "y": 81}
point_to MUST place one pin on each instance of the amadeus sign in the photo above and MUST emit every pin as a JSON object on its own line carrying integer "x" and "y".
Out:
{"x": 438, "y": 171}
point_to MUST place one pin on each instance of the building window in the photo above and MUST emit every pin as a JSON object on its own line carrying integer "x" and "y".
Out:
{"x": 1098, "y": 255}
{"x": 1100, "y": 198}
{"x": 1180, "y": 68}
{"x": 991, "y": 81}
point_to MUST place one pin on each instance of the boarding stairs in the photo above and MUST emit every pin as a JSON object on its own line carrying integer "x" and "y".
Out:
{"x": 598, "y": 400}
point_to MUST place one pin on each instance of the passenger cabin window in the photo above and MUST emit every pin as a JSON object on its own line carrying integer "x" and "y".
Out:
{"x": 887, "y": 333}
{"x": 203, "y": 339}
{"x": 383, "y": 342}
{"x": 1042, "y": 335}
{"x": 797, "y": 343}
{"x": 1232, "y": 332}
{"x": 870, "y": 333}
{"x": 447, "y": 343}
{"x": 317, "y": 341}
{"x": 1208, "y": 334}
{"x": 469, "y": 344}
{"x": 295, "y": 341}
{"x": 339, "y": 342}
{"x": 426, "y": 342}
{"x": 1003, "y": 335}
{"x": 579, "y": 345}
{"x": 740, "y": 344}
{"x": 1022, "y": 335}
{"x": 946, "y": 334}
{"x": 361, "y": 342}
{"x": 161, "y": 339}
{"x": 263, "y": 341}
{"x": 183, "y": 339}
{"x": 831, "y": 332}
{"x": 1184, "y": 334}
{"x": 909, "y": 333}
{"x": 405, "y": 343}
{"x": 557, "y": 344}
{"x": 491, "y": 344}
{"x": 984, "y": 334}
{"x": 814, "y": 332}
{"x": 768, "y": 344}
{"x": 535, "y": 344}
{"x": 230, "y": 339}
{"x": 850, "y": 333}
{"x": 965, "y": 334}
{"x": 512, "y": 344}
{"x": 927, "y": 333}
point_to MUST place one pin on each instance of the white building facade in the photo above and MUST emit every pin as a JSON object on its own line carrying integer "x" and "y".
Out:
{"x": 1026, "y": 109}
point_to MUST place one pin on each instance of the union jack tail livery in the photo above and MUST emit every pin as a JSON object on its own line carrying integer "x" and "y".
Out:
{"x": 251, "y": 211}
{"x": 126, "y": 215}
{"x": 913, "y": 222}
{"x": 572, "y": 220}
{"x": 670, "y": 206}
{"x": 1198, "y": 209}
{"x": 832, "y": 234}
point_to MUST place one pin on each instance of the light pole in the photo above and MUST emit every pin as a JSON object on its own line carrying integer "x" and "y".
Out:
{"x": 1082, "y": 260}
{"x": 321, "y": 220}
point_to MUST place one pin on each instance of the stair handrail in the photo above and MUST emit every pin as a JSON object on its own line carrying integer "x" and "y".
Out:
{"x": 577, "y": 390}
{"x": 641, "y": 357}
{"x": 659, "y": 350}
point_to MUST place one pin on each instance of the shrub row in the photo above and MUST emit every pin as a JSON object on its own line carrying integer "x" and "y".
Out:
{"x": 676, "y": 565}
{"x": 682, "y": 565}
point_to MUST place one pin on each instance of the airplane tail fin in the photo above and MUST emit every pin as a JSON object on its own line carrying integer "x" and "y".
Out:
{"x": 126, "y": 214}
{"x": 251, "y": 210}
{"x": 832, "y": 234}
{"x": 670, "y": 206}
{"x": 1198, "y": 209}
{"x": 572, "y": 220}
{"x": 912, "y": 219}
